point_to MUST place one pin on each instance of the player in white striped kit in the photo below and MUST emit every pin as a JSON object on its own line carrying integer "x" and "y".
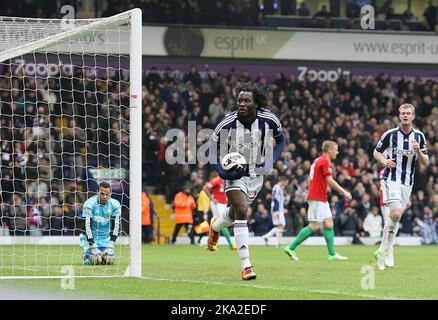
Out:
{"x": 277, "y": 211}
{"x": 249, "y": 131}
{"x": 403, "y": 146}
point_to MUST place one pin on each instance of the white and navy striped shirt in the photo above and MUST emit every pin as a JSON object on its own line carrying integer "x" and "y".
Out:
{"x": 250, "y": 140}
{"x": 277, "y": 203}
{"x": 398, "y": 147}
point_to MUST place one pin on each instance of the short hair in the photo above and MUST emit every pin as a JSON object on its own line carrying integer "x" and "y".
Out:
{"x": 282, "y": 178}
{"x": 327, "y": 144}
{"x": 105, "y": 185}
{"x": 405, "y": 106}
{"x": 257, "y": 90}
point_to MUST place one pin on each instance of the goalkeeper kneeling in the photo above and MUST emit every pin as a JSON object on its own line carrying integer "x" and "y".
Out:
{"x": 102, "y": 220}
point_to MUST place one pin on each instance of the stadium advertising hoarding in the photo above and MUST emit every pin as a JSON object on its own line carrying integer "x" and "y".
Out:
{"x": 292, "y": 45}
{"x": 314, "y": 70}
{"x": 267, "y": 44}
{"x": 38, "y": 66}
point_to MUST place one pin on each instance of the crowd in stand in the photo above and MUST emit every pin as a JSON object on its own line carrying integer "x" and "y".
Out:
{"x": 229, "y": 13}
{"x": 352, "y": 111}
{"x": 47, "y": 142}
{"x": 51, "y": 130}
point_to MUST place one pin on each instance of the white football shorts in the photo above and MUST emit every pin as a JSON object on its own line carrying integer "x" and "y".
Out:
{"x": 250, "y": 186}
{"x": 278, "y": 218}
{"x": 396, "y": 194}
{"x": 318, "y": 211}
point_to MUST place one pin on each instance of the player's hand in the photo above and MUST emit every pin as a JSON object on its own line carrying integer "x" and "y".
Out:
{"x": 348, "y": 195}
{"x": 389, "y": 163}
{"x": 416, "y": 146}
{"x": 94, "y": 250}
{"x": 110, "y": 248}
{"x": 238, "y": 168}
{"x": 236, "y": 174}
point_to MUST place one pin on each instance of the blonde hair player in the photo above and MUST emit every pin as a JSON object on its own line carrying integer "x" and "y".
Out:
{"x": 319, "y": 209}
{"x": 403, "y": 145}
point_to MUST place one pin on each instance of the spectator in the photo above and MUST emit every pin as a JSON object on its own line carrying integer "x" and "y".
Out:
{"x": 353, "y": 9}
{"x": 390, "y": 14}
{"x": 152, "y": 80}
{"x": 428, "y": 227}
{"x": 147, "y": 213}
{"x": 193, "y": 77}
{"x": 16, "y": 216}
{"x": 216, "y": 111}
{"x": 373, "y": 223}
{"x": 303, "y": 11}
{"x": 430, "y": 14}
{"x": 184, "y": 204}
{"x": 348, "y": 224}
{"x": 407, "y": 223}
{"x": 408, "y": 15}
{"x": 260, "y": 221}
{"x": 323, "y": 12}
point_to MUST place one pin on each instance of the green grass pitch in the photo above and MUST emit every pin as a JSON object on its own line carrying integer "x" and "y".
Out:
{"x": 191, "y": 272}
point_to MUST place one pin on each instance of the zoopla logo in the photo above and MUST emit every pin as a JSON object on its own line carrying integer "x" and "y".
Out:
{"x": 322, "y": 75}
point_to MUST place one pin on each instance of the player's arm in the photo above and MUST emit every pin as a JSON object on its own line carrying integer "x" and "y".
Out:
{"x": 280, "y": 144}
{"x": 380, "y": 148}
{"x": 87, "y": 213}
{"x": 388, "y": 163}
{"x": 207, "y": 187}
{"x": 214, "y": 157}
{"x": 115, "y": 225}
{"x": 421, "y": 151}
{"x": 280, "y": 140}
{"x": 334, "y": 185}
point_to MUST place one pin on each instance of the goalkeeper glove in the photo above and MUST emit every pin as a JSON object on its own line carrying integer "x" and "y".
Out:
{"x": 94, "y": 250}
{"x": 109, "y": 249}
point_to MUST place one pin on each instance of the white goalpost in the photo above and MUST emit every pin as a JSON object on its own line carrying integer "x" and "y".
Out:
{"x": 70, "y": 118}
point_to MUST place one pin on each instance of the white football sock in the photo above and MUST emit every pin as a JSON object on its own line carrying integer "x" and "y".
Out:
{"x": 388, "y": 236}
{"x": 393, "y": 234}
{"x": 271, "y": 232}
{"x": 222, "y": 222}
{"x": 241, "y": 235}
{"x": 279, "y": 234}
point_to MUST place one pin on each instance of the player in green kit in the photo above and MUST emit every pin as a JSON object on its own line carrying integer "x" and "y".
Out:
{"x": 102, "y": 221}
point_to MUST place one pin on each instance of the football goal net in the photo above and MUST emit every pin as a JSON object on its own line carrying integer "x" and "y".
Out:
{"x": 70, "y": 118}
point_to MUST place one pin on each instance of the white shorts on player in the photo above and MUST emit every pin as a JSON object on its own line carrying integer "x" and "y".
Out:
{"x": 250, "y": 186}
{"x": 218, "y": 209}
{"x": 278, "y": 218}
{"x": 395, "y": 194}
{"x": 318, "y": 211}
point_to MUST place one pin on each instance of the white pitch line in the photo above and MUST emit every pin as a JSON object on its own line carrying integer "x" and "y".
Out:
{"x": 333, "y": 292}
